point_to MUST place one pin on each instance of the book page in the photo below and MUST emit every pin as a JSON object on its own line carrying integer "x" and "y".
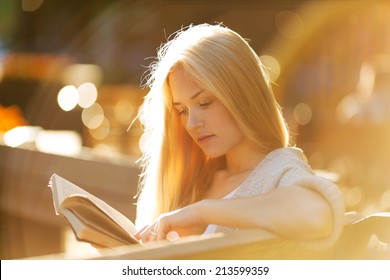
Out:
{"x": 87, "y": 233}
{"x": 96, "y": 218}
{"x": 62, "y": 189}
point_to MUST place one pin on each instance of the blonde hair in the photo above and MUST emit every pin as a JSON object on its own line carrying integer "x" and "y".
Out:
{"x": 175, "y": 170}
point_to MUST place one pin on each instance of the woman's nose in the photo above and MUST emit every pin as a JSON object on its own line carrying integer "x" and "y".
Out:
{"x": 194, "y": 121}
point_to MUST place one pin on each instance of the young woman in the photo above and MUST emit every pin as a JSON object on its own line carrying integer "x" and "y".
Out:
{"x": 216, "y": 153}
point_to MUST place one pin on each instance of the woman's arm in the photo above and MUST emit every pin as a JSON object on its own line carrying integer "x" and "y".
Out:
{"x": 290, "y": 211}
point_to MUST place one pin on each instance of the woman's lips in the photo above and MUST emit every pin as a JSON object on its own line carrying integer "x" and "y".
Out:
{"x": 205, "y": 138}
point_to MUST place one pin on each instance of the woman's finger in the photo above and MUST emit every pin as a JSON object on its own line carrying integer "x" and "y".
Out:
{"x": 152, "y": 234}
{"x": 139, "y": 232}
{"x": 144, "y": 234}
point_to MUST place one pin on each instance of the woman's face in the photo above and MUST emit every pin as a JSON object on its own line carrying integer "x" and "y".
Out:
{"x": 204, "y": 117}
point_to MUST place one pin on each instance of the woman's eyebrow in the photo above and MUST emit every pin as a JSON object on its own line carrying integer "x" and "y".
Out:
{"x": 192, "y": 97}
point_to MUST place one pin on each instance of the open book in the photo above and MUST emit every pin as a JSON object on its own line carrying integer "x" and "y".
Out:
{"x": 92, "y": 220}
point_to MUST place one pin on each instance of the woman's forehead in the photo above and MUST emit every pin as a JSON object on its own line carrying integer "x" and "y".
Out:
{"x": 181, "y": 82}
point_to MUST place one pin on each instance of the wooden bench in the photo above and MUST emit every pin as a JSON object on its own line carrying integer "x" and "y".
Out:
{"x": 365, "y": 238}
{"x": 354, "y": 243}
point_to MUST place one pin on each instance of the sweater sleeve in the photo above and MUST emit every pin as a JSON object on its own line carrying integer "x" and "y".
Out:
{"x": 332, "y": 194}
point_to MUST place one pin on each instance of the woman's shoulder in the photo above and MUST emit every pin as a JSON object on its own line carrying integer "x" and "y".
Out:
{"x": 272, "y": 168}
{"x": 287, "y": 152}
{"x": 284, "y": 165}
{"x": 284, "y": 157}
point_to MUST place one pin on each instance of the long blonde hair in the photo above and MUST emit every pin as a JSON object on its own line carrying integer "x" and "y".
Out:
{"x": 175, "y": 170}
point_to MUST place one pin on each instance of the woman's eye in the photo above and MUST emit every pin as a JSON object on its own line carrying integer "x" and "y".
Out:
{"x": 205, "y": 104}
{"x": 181, "y": 111}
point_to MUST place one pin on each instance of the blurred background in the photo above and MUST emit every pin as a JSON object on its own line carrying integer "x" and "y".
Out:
{"x": 70, "y": 86}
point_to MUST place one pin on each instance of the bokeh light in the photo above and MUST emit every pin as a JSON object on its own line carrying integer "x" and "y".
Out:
{"x": 103, "y": 151}
{"x": 67, "y": 143}
{"x": 68, "y": 98}
{"x": 101, "y": 132}
{"x": 93, "y": 116}
{"x": 385, "y": 201}
{"x": 87, "y": 95}
{"x": 31, "y": 5}
{"x": 77, "y": 74}
{"x": 302, "y": 113}
{"x": 353, "y": 196}
{"x": 347, "y": 108}
{"x": 142, "y": 143}
{"x": 20, "y": 135}
{"x": 124, "y": 111}
{"x": 272, "y": 65}
{"x": 289, "y": 24}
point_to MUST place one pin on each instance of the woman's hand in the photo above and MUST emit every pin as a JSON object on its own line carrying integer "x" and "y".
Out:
{"x": 185, "y": 221}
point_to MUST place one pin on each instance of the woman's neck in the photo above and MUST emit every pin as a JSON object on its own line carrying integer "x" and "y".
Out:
{"x": 243, "y": 159}
{"x": 239, "y": 164}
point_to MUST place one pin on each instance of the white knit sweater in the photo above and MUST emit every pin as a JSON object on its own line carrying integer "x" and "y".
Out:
{"x": 288, "y": 166}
